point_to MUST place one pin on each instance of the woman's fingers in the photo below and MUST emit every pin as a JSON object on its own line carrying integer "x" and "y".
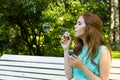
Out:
{"x": 62, "y": 39}
{"x": 71, "y": 57}
{"x": 65, "y": 39}
{"x": 74, "y": 56}
{"x": 73, "y": 60}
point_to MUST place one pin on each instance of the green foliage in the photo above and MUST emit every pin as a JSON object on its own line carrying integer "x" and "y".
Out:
{"x": 21, "y": 24}
{"x": 24, "y": 17}
{"x": 116, "y": 54}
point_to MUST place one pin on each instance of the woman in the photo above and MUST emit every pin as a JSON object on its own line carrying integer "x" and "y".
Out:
{"x": 92, "y": 56}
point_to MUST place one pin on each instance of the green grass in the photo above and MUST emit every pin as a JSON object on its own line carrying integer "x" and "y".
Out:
{"x": 116, "y": 54}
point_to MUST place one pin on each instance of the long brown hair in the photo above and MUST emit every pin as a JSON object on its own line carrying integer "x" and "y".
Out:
{"x": 93, "y": 36}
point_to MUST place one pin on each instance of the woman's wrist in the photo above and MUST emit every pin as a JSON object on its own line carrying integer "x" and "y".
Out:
{"x": 82, "y": 66}
{"x": 66, "y": 51}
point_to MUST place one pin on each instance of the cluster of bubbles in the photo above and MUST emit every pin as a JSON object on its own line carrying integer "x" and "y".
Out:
{"x": 46, "y": 28}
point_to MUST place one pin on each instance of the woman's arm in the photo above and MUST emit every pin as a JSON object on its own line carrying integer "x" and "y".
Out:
{"x": 65, "y": 43}
{"x": 105, "y": 63}
{"x": 68, "y": 68}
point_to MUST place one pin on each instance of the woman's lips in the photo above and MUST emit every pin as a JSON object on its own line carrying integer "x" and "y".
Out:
{"x": 75, "y": 30}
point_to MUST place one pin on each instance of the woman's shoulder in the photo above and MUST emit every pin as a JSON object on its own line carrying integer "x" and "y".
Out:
{"x": 105, "y": 56}
{"x": 102, "y": 46}
{"x": 103, "y": 50}
{"x": 100, "y": 50}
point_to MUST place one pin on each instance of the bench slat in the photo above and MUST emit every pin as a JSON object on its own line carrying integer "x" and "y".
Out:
{"x": 115, "y": 71}
{"x": 33, "y": 58}
{"x": 114, "y": 76}
{"x": 33, "y": 76}
{"x": 36, "y": 65}
{"x": 32, "y": 70}
{"x": 116, "y": 63}
{"x": 2, "y": 77}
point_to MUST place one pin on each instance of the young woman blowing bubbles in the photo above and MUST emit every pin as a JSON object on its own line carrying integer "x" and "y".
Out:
{"x": 92, "y": 56}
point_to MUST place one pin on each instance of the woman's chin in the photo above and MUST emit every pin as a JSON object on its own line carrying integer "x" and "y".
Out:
{"x": 77, "y": 36}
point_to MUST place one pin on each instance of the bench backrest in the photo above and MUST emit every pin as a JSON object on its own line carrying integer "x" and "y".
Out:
{"x": 21, "y": 67}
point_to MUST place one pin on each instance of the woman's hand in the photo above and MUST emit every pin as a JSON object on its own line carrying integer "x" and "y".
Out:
{"x": 74, "y": 61}
{"x": 65, "y": 41}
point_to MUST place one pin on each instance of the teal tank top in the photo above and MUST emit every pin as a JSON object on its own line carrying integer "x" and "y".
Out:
{"x": 78, "y": 74}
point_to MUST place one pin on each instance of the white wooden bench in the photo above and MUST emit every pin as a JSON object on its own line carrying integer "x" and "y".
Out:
{"x": 115, "y": 70}
{"x": 21, "y": 67}
{"x": 14, "y": 67}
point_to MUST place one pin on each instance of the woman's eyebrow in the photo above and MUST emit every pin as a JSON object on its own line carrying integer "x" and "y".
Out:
{"x": 79, "y": 21}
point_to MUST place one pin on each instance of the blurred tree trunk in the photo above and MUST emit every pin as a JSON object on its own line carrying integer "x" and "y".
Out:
{"x": 115, "y": 25}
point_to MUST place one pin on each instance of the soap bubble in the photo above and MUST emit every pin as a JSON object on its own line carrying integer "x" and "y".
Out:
{"x": 46, "y": 27}
{"x": 64, "y": 30}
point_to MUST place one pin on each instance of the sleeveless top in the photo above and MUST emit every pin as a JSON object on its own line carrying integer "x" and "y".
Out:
{"x": 78, "y": 74}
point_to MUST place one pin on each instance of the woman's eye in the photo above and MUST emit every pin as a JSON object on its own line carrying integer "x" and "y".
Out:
{"x": 79, "y": 23}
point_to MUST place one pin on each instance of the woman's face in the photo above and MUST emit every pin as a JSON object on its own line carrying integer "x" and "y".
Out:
{"x": 80, "y": 27}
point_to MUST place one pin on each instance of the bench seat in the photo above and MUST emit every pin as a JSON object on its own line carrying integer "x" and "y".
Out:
{"x": 22, "y": 67}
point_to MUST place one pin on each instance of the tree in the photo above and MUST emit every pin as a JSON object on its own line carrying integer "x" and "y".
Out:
{"x": 25, "y": 18}
{"x": 24, "y": 23}
{"x": 115, "y": 24}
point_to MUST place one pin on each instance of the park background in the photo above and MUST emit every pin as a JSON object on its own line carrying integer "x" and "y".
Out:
{"x": 34, "y": 27}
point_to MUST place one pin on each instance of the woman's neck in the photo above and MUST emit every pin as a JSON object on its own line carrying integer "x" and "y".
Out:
{"x": 84, "y": 42}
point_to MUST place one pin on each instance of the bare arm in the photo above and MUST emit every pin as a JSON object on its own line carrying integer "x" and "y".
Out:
{"x": 68, "y": 69}
{"x": 105, "y": 62}
{"x": 65, "y": 43}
